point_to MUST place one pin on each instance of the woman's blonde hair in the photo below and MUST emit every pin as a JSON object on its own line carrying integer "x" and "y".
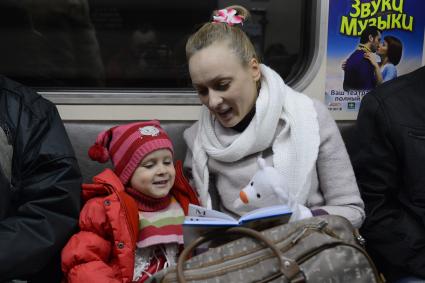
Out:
{"x": 213, "y": 32}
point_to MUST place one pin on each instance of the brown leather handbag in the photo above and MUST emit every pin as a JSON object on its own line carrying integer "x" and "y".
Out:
{"x": 318, "y": 249}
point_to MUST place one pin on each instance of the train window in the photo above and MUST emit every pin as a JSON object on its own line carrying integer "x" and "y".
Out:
{"x": 131, "y": 44}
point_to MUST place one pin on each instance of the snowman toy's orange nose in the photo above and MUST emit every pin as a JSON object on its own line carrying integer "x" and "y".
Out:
{"x": 243, "y": 197}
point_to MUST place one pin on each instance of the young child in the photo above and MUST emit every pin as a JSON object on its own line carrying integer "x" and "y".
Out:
{"x": 131, "y": 221}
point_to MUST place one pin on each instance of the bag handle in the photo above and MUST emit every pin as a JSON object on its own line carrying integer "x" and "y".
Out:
{"x": 288, "y": 267}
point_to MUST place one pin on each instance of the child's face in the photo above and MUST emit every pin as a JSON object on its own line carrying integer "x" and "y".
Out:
{"x": 155, "y": 175}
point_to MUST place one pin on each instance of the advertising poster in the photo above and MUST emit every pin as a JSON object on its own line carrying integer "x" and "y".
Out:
{"x": 357, "y": 63}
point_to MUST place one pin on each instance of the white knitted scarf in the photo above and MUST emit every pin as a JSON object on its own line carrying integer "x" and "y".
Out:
{"x": 295, "y": 148}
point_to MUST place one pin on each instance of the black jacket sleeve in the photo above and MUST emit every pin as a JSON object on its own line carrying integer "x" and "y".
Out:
{"x": 395, "y": 216}
{"x": 45, "y": 195}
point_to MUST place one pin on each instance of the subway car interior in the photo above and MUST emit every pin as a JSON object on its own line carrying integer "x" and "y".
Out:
{"x": 104, "y": 63}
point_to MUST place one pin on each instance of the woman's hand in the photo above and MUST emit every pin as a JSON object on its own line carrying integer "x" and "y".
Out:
{"x": 343, "y": 64}
{"x": 372, "y": 59}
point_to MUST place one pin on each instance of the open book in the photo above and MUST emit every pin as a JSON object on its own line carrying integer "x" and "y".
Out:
{"x": 201, "y": 220}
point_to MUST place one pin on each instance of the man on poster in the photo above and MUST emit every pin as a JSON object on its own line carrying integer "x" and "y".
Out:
{"x": 359, "y": 73}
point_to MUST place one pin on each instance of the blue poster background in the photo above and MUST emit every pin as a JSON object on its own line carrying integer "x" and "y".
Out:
{"x": 340, "y": 46}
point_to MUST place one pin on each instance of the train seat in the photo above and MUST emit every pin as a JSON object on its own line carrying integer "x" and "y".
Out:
{"x": 83, "y": 134}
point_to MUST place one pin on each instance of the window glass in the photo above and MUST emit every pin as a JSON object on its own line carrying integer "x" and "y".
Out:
{"x": 105, "y": 44}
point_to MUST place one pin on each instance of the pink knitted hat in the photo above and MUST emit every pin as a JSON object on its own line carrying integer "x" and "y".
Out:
{"x": 127, "y": 145}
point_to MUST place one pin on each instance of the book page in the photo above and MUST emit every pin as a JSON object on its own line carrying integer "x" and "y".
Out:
{"x": 202, "y": 212}
{"x": 266, "y": 212}
{"x": 201, "y": 221}
{"x": 206, "y": 221}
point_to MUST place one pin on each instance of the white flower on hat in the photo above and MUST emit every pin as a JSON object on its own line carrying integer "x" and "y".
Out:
{"x": 149, "y": 131}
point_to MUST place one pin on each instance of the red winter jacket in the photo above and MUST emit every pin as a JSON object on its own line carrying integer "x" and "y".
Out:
{"x": 103, "y": 251}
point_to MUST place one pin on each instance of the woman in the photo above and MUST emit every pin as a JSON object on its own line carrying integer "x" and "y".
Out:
{"x": 248, "y": 112}
{"x": 390, "y": 53}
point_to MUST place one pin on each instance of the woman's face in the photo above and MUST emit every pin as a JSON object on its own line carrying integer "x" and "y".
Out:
{"x": 382, "y": 49}
{"x": 223, "y": 84}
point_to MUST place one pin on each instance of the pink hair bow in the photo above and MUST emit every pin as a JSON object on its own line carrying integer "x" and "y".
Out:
{"x": 228, "y": 16}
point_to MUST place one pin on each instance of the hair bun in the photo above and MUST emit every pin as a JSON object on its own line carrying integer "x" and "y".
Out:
{"x": 98, "y": 153}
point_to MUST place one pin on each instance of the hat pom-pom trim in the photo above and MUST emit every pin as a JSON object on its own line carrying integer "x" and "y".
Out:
{"x": 98, "y": 153}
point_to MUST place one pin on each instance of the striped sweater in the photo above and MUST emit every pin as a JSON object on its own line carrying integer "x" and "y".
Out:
{"x": 160, "y": 234}
{"x": 162, "y": 226}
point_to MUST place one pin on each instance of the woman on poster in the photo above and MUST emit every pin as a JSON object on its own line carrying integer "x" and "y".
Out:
{"x": 389, "y": 51}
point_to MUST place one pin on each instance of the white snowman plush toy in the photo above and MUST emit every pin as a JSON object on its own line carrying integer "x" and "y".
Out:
{"x": 267, "y": 185}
